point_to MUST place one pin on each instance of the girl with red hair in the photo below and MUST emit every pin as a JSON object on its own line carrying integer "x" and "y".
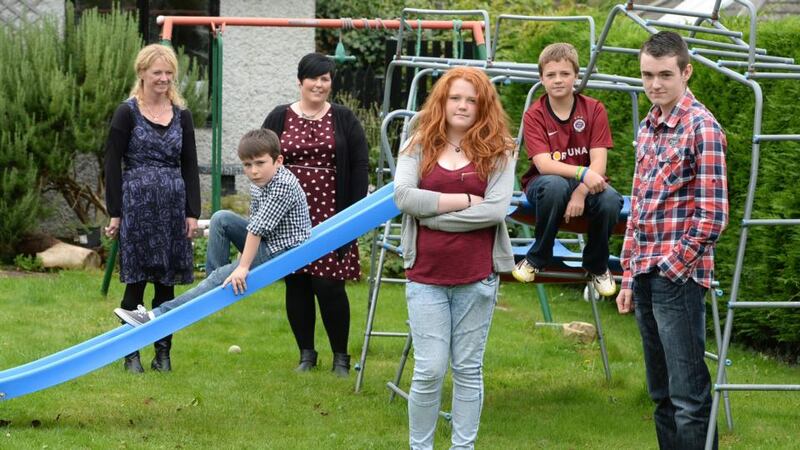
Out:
{"x": 453, "y": 183}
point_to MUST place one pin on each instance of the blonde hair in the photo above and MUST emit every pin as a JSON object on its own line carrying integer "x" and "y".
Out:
{"x": 145, "y": 59}
{"x": 560, "y": 51}
{"x": 487, "y": 142}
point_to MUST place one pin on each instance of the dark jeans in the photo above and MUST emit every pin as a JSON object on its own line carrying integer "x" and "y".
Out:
{"x": 672, "y": 321}
{"x": 549, "y": 195}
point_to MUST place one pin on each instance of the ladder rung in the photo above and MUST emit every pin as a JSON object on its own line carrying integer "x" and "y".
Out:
{"x": 775, "y": 137}
{"x": 763, "y": 305}
{"x": 724, "y": 45}
{"x": 757, "y": 387}
{"x": 680, "y": 26}
{"x": 394, "y": 280}
{"x": 388, "y": 334}
{"x": 749, "y": 222}
{"x": 671, "y": 11}
{"x": 623, "y": 50}
{"x": 708, "y": 51}
{"x": 758, "y": 65}
{"x": 773, "y": 76}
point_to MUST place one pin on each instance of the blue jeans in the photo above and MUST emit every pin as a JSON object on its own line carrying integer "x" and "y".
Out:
{"x": 449, "y": 324}
{"x": 549, "y": 195}
{"x": 226, "y": 227}
{"x": 672, "y": 323}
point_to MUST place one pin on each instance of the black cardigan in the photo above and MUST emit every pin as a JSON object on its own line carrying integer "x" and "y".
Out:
{"x": 352, "y": 153}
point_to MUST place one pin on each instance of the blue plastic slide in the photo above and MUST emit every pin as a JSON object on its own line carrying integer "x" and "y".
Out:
{"x": 113, "y": 345}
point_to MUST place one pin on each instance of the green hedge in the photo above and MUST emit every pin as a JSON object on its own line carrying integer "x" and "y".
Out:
{"x": 772, "y": 260}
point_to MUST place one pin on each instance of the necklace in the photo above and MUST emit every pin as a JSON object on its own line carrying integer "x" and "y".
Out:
{"x": 150, "y": 112}
{"x": 457, "y": 148}
{"x": 309, "y": 116}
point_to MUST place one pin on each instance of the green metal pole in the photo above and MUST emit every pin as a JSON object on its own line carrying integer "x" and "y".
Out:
{"x": 216, "y": 122}
{"x": 110, "y": 263}
{"x": 481, "y": 50}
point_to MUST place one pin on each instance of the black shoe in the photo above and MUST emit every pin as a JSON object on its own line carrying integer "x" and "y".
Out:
{"x": 341, "y": 365}
{"x": 139, "y": 316}
{"x": 161, "y": 360}
{"x": 308, "y": 360}
{"x": 133, "y": 364}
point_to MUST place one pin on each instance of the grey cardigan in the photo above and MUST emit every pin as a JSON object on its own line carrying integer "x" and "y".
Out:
{"x": 420, "y": 204}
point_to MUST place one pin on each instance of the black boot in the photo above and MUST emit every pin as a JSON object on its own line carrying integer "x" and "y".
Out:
{"x": 161, "y": 361}
{"x": 133, "y": 364}
{"x": 341, "y": 365}
{"x": 308, "y": 360}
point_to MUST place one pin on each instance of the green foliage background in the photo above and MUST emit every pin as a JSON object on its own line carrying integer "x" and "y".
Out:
{"x": 772, "y": 260}
{"x": 59, "y": 86}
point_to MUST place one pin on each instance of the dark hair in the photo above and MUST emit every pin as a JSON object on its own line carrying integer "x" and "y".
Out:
{"x": 665, "y": 44}
{"x": 313, "y": 65}
{"x": 259, "y": 142}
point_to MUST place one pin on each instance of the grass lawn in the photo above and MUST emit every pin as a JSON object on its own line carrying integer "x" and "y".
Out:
{"x": 542, "y": 390}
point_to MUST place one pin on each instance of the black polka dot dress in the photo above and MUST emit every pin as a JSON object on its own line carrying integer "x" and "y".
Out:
{"x": 308, "y": 148}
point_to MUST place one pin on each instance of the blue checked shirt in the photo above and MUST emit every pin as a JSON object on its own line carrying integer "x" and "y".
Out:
{"x": 679, "y": 202}
{"x": 279, "y": 212}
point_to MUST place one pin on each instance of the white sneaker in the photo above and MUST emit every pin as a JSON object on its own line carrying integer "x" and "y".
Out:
{"x": 604, "y": 284}
{"x": 524, "y": 272}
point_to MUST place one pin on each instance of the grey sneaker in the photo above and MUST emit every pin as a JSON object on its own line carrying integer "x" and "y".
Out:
{"x": 604, "y": 284}
{"x": 134, "y": 318}
{"x": 524, "y": 272}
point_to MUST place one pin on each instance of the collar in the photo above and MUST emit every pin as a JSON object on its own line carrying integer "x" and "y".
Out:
{"x": 680, "y": 108}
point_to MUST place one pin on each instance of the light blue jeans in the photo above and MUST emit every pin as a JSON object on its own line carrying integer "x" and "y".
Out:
{"x": 449, "y": 324}
{"x": 226, "y": 228}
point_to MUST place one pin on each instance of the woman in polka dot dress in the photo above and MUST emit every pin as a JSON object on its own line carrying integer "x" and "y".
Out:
{"x": 324, "y": 145}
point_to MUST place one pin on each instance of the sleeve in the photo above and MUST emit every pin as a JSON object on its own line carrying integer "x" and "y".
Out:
{"x": 358, "y": 150}
{"x": 189, "y": 170}
{"x": 272, "y": 208}
{"x": 116, "y": 144}
{"x": 408, "y": 197}
{"x": 272, "y": 121}
{"x": 710, "y": 217}
{"x": 627, "y": 243}
{"x": 601, "y": 130}
{"x": 535, "y": 132}
{"x": 488, "y": 213}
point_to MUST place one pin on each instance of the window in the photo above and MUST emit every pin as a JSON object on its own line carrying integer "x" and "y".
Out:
{"x": 196, "y": 40}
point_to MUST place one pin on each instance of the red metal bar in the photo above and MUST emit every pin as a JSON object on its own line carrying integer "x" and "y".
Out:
{"x": 167, "y": 22}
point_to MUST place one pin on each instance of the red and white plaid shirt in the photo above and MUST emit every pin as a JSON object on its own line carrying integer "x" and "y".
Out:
{"x": 679, "y": 202}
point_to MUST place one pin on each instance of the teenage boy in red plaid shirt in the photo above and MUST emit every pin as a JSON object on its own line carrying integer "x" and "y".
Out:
{"x": 679, "y": 207}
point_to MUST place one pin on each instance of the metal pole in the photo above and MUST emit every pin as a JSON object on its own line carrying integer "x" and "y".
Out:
{"x": 110, "y": 263}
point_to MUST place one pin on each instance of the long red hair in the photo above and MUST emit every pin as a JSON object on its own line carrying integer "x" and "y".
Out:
{"x": 487, "y": 143}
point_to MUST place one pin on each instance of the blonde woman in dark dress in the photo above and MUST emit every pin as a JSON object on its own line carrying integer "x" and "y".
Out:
{"x": 153, "y": 189}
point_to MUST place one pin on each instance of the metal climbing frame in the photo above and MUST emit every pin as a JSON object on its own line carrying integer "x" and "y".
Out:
{"x": 727, "y": 58}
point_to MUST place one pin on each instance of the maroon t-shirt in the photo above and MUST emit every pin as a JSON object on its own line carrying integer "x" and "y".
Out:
{"x": 568, "y": 141}
{"x": 444, "y": 258}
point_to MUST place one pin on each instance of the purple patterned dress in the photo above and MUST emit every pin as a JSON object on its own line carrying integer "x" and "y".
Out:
{"x": 153, "y": 244}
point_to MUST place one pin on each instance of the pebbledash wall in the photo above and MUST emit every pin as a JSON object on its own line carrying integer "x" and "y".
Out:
{"x": 259, "y": 73}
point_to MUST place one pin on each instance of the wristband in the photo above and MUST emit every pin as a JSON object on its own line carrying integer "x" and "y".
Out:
{"x": 469, "y": 200}
{"x": 583, "y": 175}
{"x": 578, "y": 173}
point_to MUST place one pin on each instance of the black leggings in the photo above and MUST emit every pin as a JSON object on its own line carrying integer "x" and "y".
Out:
{"x": 334, "y": 308}
{"x": 134, "y": 295}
